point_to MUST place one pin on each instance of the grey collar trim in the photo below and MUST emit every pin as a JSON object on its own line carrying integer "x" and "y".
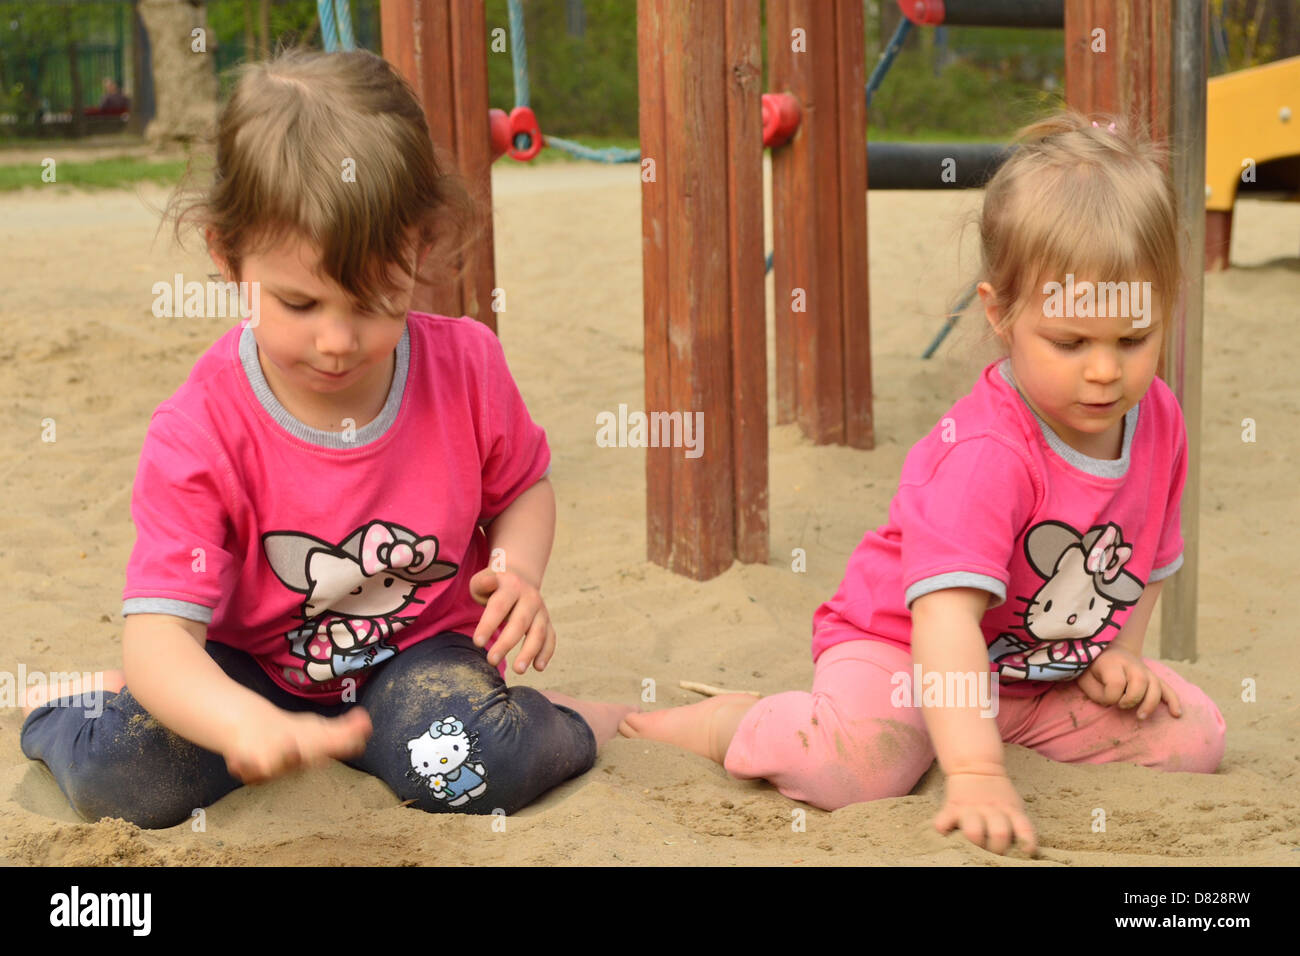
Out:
{"x": 1101, "y": 467}
{"x": 369, "y": 432}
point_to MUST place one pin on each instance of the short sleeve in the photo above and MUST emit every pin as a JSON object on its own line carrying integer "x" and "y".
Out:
{"x": 515, "y": 454}
{"x": 960, "y": 509}
{"x": 179, "y": 509}
{"x": 1169, "y": 552}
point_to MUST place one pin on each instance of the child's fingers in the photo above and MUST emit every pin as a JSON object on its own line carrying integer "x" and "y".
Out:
{"x": 348, "y": 734}
{"x": 533, "y": 644}
{"x": 1025, "y": 832}
{"x": 1175, "y": 705}
{"x": 548, "y": 651}
{"x": 998, "y": 830}
{"x": 1091, "y": 686}
{"x": 1150, "y": 699}
{"x": 512, "y": 634}
{"x": 973, "y": 826}
{"x": 482, "y": 585}
{"x": 490, "y": 619}
{"x": 1112, "y": 683}
{"x": 946, "y": 819}
{"x": 1137, "y": 687}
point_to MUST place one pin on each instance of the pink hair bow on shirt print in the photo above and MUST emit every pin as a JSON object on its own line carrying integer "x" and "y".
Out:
{"x": 382, "y": 551}
{"x": 1108, "y": 556}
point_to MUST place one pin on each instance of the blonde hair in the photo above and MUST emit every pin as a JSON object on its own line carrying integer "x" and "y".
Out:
{"x": 1082, "y": 195}
{"x": 283, "y": 142}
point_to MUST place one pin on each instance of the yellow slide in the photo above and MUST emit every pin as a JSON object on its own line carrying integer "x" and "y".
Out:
{"x": 1251, "y": 115}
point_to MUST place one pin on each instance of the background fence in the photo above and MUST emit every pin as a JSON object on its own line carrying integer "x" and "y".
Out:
{"x": 972, "y": 82}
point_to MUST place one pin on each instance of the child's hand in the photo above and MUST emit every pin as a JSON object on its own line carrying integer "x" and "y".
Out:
{"x": 1119, "y": 675}
{"x": 261, "y": 752}
{"x": 501, "y": 591}
{"x": 988, "y": 810}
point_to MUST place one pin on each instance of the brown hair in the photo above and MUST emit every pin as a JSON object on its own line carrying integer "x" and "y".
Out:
{"x": 1080, "y": 196}
{"x": 283, "y": 142}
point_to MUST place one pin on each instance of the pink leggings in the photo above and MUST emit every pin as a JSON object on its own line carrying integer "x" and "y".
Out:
{"x": 846, "y": 743}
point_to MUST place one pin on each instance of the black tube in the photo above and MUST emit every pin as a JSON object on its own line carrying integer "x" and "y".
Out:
{"x": 1041, "y": 14}
{"x": 933, "y": 165}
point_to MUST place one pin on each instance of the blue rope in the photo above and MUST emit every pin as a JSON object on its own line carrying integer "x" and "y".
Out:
{"x": 953, "y": 315}
{"x": 519, "y": 62}
{"x": 344, "y": 10}
{"x": 887, "y": 58}
{"x": 328, "y": 28}
{"x": 519, "y": 51}
{"x": 612, "y": 154}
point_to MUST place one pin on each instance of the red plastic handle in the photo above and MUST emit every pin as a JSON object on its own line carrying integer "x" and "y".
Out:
{"x": 499, "y": 125}
{"x": 522, "y": 120}
{"x": 781, "y": 116}
{"x": 924, "y": 13}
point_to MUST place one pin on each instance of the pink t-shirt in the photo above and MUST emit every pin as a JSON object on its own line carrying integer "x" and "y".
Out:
{"x": 319, "y": 553}
{"x": 1064, "y": 543}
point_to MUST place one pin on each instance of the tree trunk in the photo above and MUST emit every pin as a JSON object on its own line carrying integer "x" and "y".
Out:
{"x": 185, "y": 79}
{"x": 264, "y": 39}
{"x": 78, "y": 96}
{"x": 250, "y": 37}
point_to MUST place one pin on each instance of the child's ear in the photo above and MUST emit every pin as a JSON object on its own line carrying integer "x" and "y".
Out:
{"x": 992, "y": 312}
{"x": 222, "y": 265}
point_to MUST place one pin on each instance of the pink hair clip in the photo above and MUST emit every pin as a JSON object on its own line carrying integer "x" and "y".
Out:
{"x": 1111, "y": 127}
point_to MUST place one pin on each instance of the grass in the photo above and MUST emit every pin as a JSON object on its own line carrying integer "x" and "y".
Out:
{"x": 112, "y": 173}
{"x": 125, "y": 171}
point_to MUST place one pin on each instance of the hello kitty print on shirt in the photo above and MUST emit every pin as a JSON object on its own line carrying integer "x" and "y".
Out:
{"x": 354, "y": 591}
{"x": 1085, "y": 583}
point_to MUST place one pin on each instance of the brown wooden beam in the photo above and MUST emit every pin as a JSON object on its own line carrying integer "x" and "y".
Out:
{"x": 440, "y": 48}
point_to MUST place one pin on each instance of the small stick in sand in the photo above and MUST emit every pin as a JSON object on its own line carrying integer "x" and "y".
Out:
{"x": 708, "y": 690}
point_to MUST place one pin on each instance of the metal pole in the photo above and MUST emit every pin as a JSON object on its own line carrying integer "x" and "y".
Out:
{"x": 1182, "y": 369}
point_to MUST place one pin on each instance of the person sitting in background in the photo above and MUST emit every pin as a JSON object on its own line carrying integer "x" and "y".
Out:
{"x": 114, "y": 100}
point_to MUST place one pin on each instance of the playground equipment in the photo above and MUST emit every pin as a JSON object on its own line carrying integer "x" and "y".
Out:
{"x": 335, "y": 25}
{"x": 1252, "y": 119}
{"x": 702, "y": 134}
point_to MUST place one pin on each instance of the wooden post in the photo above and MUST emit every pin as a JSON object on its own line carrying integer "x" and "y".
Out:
{"x": 816, "y": 51}
{"x": 699, "y": 69}
{"x": 1119, "y": 59}
{"x": 440, "y": 47}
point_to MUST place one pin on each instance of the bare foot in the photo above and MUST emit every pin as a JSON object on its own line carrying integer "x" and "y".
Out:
{"x": 110, "y": 681}
{"x": 705, "y": 728}
{"x": 601, "y": 716}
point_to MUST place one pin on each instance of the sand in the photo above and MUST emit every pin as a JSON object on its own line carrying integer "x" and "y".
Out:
{"x": 81, "y": 347}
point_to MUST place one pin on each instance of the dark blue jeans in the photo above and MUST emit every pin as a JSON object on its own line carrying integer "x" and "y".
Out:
{"x": 448, "y": 734}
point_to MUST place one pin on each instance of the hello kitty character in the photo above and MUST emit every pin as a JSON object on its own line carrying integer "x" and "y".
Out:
{"x": 1085, "y": 584}
{"x": 440, "y": 757}
{"x": 354, "y": 593}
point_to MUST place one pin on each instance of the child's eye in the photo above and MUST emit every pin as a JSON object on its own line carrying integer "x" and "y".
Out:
{"x": 299, "y": 308}
{"x": 1134, "y": 343}
{"x": 1066, "y": 346}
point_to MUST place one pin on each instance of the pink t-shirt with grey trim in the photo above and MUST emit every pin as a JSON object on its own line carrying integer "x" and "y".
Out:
{"x": 322, "y": 554}
{"x": 1064, "y": 543}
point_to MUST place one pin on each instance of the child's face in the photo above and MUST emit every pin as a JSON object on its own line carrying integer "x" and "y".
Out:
{"x": 327, "y": 333}
{"x": 1066, "y": 366}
